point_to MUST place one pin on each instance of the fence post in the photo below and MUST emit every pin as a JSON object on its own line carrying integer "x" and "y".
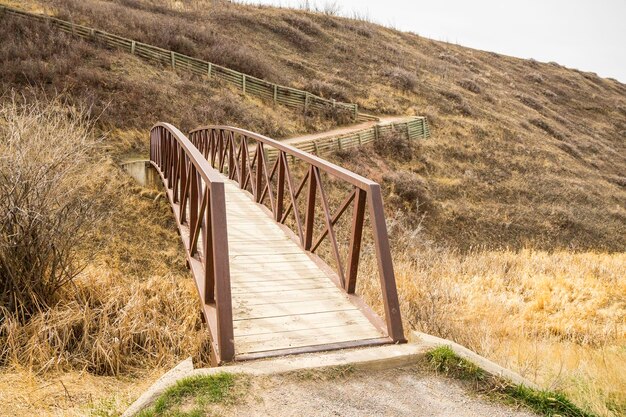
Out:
{"x": 376, "y": 132}
{"x": 173, "y": 57}
{"x": 243, "y": 83}
{"x": 209, "y": 70}
{"x": 306, "y": 102}
{"x": 275, "y": 93}
{"x": 356, "y": 112}
{"x": 132, "y": 47}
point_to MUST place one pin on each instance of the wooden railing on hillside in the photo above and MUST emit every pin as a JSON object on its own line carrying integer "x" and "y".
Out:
{"x": 243, "y": 156}
{"x": 286, "y": 96}
{"x": 413, "y": 128}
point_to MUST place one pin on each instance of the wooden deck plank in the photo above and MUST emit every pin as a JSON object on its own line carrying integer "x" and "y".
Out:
{"x": 295, "y": 309}
{"x": 302, "y": 322}
{"x": 299, "y": 338}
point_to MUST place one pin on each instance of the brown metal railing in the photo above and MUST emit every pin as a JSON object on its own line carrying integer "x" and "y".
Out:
{"x": 263, "y": 167}
{"x": 196, "y": 193}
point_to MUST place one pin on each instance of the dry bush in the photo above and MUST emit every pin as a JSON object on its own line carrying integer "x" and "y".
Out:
{"x": 408, "y": 192}
{"x": 48, "y": 202}
{"x": 394, "y": 145}
{"x": 541, "y": 124}
{"x": 332, "y": 90}
{"x": 134, "y": 306}
{"x": 401, "y": 79}
{"x": 535, "y": 77}
{"x": 469, "y": 85}
{"x": 529, "y": 101}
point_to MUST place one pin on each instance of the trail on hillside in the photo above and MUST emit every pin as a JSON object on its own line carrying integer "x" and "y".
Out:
{"x": 344, "y": 130}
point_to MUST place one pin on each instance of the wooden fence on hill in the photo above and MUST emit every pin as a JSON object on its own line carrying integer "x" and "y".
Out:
{"x": 279, "y": 94}
{"x": 413, "y": 128}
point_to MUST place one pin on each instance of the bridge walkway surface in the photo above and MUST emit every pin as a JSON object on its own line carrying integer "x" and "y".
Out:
{"x": 282, "y": 299}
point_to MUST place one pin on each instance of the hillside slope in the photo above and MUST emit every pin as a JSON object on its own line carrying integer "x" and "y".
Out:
{"x": 508, "y": 225}
{"x": 523, "y": 154}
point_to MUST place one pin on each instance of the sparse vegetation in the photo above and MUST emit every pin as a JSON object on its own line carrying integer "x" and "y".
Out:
{"x": 48, "y": 202}
{"x": 546, "y": 403}
{"x": 443, "y": 359}
{"x": 191, "y": 395}
{"x": 518, "y": 253}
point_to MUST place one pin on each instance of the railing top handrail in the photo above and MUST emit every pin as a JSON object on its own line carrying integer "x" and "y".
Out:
{"x": 329, "y": 167}
{"x": 208, "y": 173}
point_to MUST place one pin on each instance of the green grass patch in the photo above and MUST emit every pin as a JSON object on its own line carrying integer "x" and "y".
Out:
{"x": 190, "y": 396}
{"x": 547, "y": 403}
{"x": 443, "y": 359}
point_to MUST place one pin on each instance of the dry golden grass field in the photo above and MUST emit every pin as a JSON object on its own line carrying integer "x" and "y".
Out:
{"x": 508, "y": 224}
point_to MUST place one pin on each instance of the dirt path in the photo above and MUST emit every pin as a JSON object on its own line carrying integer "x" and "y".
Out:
{"x": 397, "y": 392}
{"x": 345, "y": 129}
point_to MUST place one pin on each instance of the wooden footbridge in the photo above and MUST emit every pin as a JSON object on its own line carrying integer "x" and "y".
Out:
{"x": 273, "y": 237}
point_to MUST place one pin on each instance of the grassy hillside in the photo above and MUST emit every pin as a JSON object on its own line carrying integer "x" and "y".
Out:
{"x": 508, "y": 224}
{"x": 523, "y": 154}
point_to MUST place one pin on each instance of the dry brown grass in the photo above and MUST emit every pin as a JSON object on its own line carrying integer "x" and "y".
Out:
{"x": 558, "y": 318}
{"x": 510, "y": 226}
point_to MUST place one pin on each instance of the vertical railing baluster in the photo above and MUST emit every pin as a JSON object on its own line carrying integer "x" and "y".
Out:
{"x": 310, "y": 209}
{"x": 280, "y": 192}
{"x": 231, "y": 157}
{"x": 259, "y": 172}
{"x": 193, "y": 200}
{"x": 356, "y": 235}
{"x": 244, "y": 162}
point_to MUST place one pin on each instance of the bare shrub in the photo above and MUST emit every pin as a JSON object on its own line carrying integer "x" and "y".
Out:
{"x": 535, "y": 77}
{"x": 541, "y": 124}
{"x": 452, "y": 96}
{"x": 394, "y": 145}
{"x": 292, "y": 34}
{"x": 401, "y": 79}
{"x": 409, "y": 192}
{"x": 46, "y": 204}
{"x": 469, "y": 85}
{"x": 328, "y": 90}
{"x": 304, "y": 24}
{"x": 529, "y": 101}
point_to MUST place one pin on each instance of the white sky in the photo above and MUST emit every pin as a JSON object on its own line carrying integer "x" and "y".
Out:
{"x": 589, "y": 35}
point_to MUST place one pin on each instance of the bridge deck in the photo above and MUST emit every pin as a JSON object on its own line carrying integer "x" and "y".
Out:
{"x": 282, "y": 299}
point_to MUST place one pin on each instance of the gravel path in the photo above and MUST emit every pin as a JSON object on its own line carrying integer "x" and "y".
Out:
{"x": 397, "y": 392}
{"x": 344, "y": 130}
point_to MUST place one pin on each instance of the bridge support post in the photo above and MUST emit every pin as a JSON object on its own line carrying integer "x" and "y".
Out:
{"x": 385, "y": 266}
{"x": 221, "y": 271}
